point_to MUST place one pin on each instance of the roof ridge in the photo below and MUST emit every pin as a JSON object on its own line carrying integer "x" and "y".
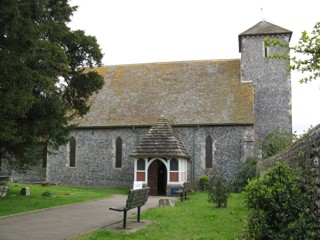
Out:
{"x": 169, "y": 62}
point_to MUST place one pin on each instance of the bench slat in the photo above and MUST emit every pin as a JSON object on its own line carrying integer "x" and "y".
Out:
{"x": 136, "y": 199}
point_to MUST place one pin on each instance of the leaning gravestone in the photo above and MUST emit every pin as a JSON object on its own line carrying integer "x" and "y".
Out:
{"x": 4, "y": 185}
{"x": 3, "y": 190}
{"x": 166, "y": 203}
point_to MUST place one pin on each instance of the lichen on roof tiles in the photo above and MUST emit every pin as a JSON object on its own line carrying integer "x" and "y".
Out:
{"x": 190, "y": 92}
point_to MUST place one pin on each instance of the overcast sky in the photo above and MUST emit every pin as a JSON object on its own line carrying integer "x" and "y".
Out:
{"x": 140, "y": 31}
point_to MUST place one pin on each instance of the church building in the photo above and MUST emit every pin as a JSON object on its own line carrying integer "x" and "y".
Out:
{"x": 161, "y": 124}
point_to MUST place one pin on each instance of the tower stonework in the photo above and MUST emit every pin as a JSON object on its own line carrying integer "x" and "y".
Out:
{"x": 271, "y": 80}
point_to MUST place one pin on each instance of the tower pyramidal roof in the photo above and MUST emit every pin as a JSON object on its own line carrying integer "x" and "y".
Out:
{"x": 264, "y": 28}
{"x": 161, "y": 141}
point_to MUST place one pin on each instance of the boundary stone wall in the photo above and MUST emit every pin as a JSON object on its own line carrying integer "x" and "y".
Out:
{"x": 304, "y": 153}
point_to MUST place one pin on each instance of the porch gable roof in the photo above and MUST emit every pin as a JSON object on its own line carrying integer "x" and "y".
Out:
{"x": 160, "y": 141}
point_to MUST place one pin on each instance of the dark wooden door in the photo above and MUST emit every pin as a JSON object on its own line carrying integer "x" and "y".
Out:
{"x": 157, "y": 178}
{"x": 162, "y": 179}
{"x": 153, "y": 178}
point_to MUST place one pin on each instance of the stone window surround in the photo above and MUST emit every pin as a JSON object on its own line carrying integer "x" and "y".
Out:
{"x": 72, "y": 153}
{"x": 208, "y": 152}
{"x": 118, "y": 161}
{"x": 266, "y": 50}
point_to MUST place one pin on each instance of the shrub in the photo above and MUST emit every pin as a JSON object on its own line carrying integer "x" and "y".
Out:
{"x": 47, "y": 194}
{"x": 204, "y": 182}
{"x": 247, "y": 171}
{"x": 218, "y": 192}
{"x": 278, "y": 209}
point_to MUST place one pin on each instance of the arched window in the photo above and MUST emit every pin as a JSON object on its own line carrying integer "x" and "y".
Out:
{"x": 174, "y": 165}
{"x": 141, "y": 164}
{"x": 119, "y": 153}
{"x": 209, "y": 152}
{"x": 72, "y": 153}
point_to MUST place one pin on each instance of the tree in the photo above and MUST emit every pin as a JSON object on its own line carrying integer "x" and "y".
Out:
{"x": 275, "y": 142}
{"x": 219, "y": 192}
{"x": 278, "y": 208}
{"x": 44, "y": 81}
{"x": 307, "y": 53}
{"x": 246, "y": 172}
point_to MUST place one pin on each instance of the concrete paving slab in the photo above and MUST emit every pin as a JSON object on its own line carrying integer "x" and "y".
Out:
{"x": 68, "y": 221}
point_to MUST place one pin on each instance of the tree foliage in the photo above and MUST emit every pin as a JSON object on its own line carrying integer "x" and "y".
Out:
{"x": 275, "y": 142}
{"x": 278, "y": 208}
{"x": 43, "y": 81}
{"x": 246, "y": 172}
{"x": 219, "y": 192}
{"x": 306, "y": 57}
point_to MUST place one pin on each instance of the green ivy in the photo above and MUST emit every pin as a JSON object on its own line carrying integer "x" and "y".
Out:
{"x": 278, "y": 209}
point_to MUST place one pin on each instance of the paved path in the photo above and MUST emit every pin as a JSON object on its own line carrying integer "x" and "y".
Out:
{"x": 66, "y": 221}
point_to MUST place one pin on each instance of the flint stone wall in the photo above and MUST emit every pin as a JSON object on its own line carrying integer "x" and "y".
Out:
{"x": 30, "y": 175}
{"x": 95, "y": 155}
{"x": 272, "y": 85}
{"x": 304, "y": 153}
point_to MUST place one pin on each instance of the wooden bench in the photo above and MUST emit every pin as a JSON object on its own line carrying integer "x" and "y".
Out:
{"x": 136, "y": 199}
{"x": 183, "y": 192}
{"x": 3, "y": 186}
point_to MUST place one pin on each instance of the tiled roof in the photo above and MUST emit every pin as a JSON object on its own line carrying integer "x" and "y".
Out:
{"x": 160, "y": 141}
{"x": 187, "y": 93}
{"x": 264, "y": 28}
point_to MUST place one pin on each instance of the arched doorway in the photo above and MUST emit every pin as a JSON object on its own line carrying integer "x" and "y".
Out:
{"x": 157, "y": 178}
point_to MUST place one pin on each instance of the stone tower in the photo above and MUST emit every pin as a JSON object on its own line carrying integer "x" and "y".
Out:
{"x": 271, "y": 80}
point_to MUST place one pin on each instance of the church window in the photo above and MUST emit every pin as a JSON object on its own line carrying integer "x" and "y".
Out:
{"x": 209, "y": 152}
{"x": 119, "y": 153}
{"x": 72, "y": 153}
{"x": 174, "y": 170}
{"x": 174, "y": 165}
{"x": 141, "y": 164}
{"x": 141, "y": 170}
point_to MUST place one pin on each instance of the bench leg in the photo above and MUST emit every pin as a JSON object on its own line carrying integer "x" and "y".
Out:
{"x": 185, "y": 195}
{"x": 138, "y": 214}
{"x": 181, "y": 196}
{"x": 124, "y": 219}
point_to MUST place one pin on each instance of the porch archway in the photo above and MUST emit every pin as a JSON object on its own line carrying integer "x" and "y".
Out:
{"x": 157, "y": 177}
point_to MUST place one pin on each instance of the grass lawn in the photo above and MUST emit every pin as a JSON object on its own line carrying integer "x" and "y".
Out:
{"x": 14, "y": 203}
{"x": 194, "y": 219}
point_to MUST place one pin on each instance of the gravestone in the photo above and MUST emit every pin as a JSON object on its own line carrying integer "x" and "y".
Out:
{"x": 166, "y": 203}
{"x": 4, "y": 185}
{"x": 25, "y": 191}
